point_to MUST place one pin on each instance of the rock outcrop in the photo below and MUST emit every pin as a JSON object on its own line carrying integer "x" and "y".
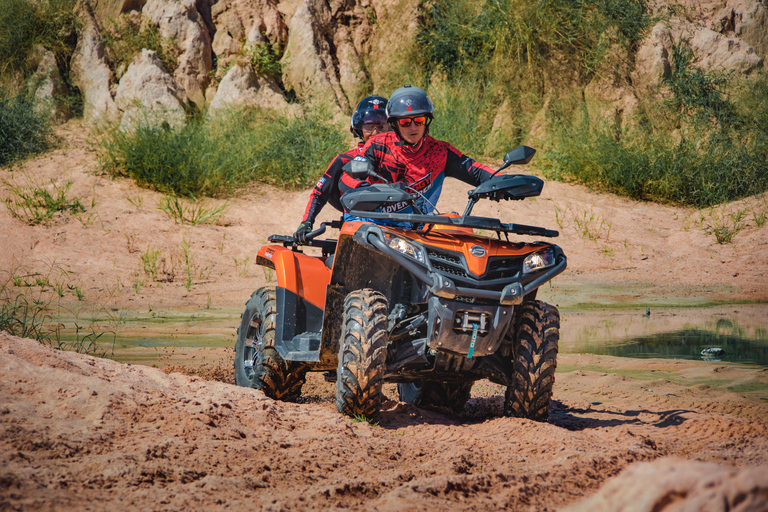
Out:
{"x": 245, "y": 21}
{"x": 712, "y": 51}
{"x": 90, "y": 73}
{"x": 105, "y": 9}
{"x": 746, "y": 20}
{"x": 241, "y": 87}
{"x": 324, "y": 59}
{"x": 335, "y": 52}
{"x": 180, "y": 21}
{"x": 46, "y": 80}
{"x": 148, "y": 94}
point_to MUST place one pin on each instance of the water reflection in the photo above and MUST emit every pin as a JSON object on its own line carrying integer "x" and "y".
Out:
{"x": 740, "y": 331}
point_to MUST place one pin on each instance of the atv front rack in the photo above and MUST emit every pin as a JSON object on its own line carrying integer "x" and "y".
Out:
{"x": 488, "y": 223}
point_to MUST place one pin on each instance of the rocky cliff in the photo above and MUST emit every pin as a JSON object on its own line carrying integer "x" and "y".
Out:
{"x": 262, "y": 52}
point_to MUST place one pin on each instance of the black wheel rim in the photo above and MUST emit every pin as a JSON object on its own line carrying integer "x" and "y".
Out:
{"x": 252, "y": 348}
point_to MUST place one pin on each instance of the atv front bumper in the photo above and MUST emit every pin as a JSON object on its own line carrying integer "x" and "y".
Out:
{"x": 440, "y": 285}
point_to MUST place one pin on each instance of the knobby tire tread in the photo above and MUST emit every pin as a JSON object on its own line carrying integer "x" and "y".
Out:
{"x": 277, "y": 378}
{"x": 362, "y": 354}
{"x": 536, "y": 337}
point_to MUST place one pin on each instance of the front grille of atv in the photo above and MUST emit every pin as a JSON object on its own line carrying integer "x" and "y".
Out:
{"x": 499, "y": 268}
{"x": 447, "y": 263}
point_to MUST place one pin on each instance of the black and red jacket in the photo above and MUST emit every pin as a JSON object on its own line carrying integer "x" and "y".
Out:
{"x": 327, "y": 188}
{"x": 423, "y": 167}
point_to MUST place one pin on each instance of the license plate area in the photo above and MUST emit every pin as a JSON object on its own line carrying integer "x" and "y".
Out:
{"x": 465, "y": 322}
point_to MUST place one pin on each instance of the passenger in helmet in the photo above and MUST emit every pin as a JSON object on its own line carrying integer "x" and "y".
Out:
{"x": 409, "y": 154}
{"x": 368, "y": 119}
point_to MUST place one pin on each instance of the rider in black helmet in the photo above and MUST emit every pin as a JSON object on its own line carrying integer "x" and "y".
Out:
{"x": 368, "y": 119}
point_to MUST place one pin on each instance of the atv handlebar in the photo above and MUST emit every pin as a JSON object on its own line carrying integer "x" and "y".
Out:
{"x": 324, "y": 244}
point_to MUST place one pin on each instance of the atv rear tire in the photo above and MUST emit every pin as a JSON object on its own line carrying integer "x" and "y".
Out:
{"x": 438, "y": 395}
{"x": 257, "y": 329}
{"x": 362, "y": 354}
{"x": 536, "y": 336}
{"x": 257, "y": 363}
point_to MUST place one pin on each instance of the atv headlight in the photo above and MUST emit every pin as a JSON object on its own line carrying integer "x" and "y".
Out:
{"x": 404, "y": 246}
{"x": 538, "y": 260}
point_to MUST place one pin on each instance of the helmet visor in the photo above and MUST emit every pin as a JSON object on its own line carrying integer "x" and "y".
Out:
{"x": 374, "y": 116}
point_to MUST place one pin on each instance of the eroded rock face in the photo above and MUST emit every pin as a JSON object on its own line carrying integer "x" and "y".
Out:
{"x": 246, "y": 21}
{"x": 90, "y": 73}
{"x": 747, "y": 20}
{"x": 712, "y": 52}
{"x": 180, "y": 21}
{"x": 241, "y": 87}
{"x": 47, "y": 82}
{"x": 677, "y": 485}
{"x": 327, "y": 43}
{"x": 147, "y": 93}
{"x": 105, "y": 9}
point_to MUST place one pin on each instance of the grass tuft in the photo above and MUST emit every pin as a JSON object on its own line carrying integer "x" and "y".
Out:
{"x": 35, "y": 205}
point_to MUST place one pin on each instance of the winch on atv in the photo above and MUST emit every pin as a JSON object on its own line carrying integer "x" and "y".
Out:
{"x": 417, "y": 299}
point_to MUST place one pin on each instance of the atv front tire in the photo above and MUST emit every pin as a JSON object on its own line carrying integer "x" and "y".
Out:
{"x": 536, "y": 336}
{"x": 257, "y": 363}
{"x": 362, "y": 354}
{"x": 437, "y": 395}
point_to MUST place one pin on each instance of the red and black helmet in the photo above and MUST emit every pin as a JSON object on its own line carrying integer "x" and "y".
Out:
{"x": 371, "y": 109}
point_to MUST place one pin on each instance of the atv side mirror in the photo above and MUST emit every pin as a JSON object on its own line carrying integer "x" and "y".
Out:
{"x": 520, "y": 155}
{"x": 359, "y": 168}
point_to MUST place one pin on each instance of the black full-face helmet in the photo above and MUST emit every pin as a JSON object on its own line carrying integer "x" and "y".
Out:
{"x": 371, "y": 109}
{"x": 409, "y": 101}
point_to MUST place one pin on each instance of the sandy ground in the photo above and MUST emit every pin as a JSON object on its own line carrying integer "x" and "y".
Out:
{"x": 83, "y": 433}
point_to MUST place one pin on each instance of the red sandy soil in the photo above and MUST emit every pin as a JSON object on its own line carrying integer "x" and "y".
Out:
{"x": 83, "y": 433}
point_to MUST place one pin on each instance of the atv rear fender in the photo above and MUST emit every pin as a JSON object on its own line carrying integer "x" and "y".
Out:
{"x": 300, "y": 296}
{"x": 306, "y": 276}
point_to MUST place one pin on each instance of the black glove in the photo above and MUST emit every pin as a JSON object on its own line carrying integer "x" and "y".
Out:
{"x": 301, "y": 232}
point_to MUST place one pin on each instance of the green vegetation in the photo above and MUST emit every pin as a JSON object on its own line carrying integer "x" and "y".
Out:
{"x": 214, "y": 158}
{"x": 264, "y": 58}
{"x": 24, "y": 129}
{"x": 191, "y": 212}
{"x": 503, "y": 60}
{"x": 478, "y": 59}
{"x": 30, "y": 307}
{"x": 25, "y": 24}
{"x": 126, "y": 36}
{"x": 699, "y": 149}
{"x": 35, "y": 204}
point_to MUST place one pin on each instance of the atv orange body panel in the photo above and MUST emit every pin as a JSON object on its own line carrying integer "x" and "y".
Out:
{"x": 306, "y": 276}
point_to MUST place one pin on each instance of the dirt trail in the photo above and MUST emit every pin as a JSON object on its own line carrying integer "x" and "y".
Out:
{"x": 80, "y": 433}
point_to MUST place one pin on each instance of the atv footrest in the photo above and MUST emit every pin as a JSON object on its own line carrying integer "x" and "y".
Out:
{"x": 303, "y": 347}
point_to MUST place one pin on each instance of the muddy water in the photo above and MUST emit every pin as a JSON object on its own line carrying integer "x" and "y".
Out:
{"x": 678, "y": 333}
{"x": 674, "y": 333}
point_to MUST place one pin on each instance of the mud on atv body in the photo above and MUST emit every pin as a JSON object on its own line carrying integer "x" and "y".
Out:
{"x": 432, "y": 306}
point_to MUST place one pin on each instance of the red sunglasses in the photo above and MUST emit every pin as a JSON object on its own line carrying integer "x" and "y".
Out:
{"x": 405, "y": 122}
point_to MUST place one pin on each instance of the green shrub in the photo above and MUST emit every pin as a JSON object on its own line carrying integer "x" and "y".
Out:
{"x": 24, "y": 130}
{"x": 26, "y": 23}
{"x": 214, "y": 158}
{"x": 703, "y": 162}
{"x": 494, "y": 53}
{"x": 125, "y": 37}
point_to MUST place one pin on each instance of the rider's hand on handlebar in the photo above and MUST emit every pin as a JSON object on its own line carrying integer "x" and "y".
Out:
{"x": 301, "y": 232}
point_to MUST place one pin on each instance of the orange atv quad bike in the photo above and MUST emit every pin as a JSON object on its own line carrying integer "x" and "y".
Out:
{"x": 420, "y": 300}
